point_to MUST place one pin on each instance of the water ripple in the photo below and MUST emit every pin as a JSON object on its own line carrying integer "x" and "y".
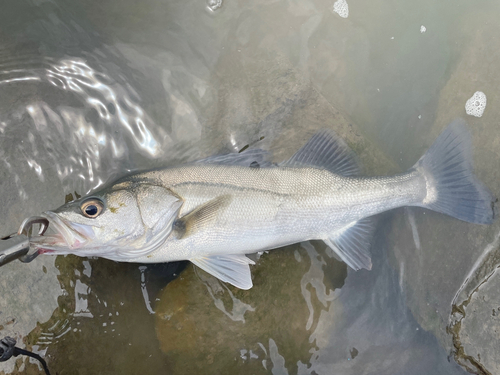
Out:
{"x": 87, "y": 133}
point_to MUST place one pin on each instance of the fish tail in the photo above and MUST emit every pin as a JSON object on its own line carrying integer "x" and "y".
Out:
{"x": 452, "y": 187}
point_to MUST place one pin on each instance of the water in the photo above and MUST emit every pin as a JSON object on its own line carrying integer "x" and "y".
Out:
{"x": 92, "y": 90}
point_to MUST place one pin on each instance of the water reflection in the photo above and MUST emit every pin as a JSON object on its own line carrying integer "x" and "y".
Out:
{"x": 216, "y": 288}
{"x": 112, "y": 103}
{"x": 144, "y": 289}
{"x": 314, "y": 278}
{"x": 92, "y": 134}
{"x": 277, "y": 360}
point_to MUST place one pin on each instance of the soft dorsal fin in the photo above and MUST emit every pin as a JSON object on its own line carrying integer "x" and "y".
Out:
{"x": 326, "y": 150}
{"x": 202, "y": 216}
{"x": 233, "y": 269}
{"x": 352, "y": 243}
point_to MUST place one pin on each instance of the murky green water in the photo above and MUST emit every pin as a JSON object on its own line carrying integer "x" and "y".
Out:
{"x": 91, "y": 90}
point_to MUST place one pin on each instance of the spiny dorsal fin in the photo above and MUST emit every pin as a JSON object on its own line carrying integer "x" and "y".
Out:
{"x": 233, "y": 269}
{"x": 244, "y": 159}
{"x": 326, "y": 150}
{"x": 202, "y": 216}
{"x": 352, "y": 243}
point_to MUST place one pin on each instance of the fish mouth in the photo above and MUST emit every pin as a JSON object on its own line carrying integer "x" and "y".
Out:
{"x": 63, "y": 237}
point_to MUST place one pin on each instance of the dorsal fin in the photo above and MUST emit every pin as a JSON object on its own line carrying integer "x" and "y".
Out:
{"x": 247, "y": 158}
{"x": 327, "y": 151}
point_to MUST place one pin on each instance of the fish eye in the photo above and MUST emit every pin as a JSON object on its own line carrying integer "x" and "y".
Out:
{"x": 92, "y": 208}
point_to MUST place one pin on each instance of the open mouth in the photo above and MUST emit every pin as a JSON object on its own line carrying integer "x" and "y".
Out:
{"x": 41, "y": 250}
{"x": 61, "y": 237}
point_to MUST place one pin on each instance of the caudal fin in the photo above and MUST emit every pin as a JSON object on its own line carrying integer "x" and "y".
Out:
{"x": 452, "y": 187}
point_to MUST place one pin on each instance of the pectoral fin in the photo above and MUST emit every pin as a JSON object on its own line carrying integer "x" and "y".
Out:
{"x": 233, "y": 269}
{"x": 352, "y": 243}
{"x": 202, "y": 217}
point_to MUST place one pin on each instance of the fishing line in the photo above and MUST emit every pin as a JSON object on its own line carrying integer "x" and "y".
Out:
{"x": 8, "y": 349}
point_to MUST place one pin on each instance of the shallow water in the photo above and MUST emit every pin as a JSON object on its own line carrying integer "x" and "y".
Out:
{"x": 92, "y": 90}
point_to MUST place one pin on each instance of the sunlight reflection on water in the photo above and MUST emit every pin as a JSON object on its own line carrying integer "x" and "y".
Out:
{"x": 86, "y": 140}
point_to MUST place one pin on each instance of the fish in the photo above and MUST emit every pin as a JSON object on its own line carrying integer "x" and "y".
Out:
{"x": 215, "y": 211}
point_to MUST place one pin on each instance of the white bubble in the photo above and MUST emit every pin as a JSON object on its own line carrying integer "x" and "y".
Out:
{"x": 423, "y": 29}
{"x": 341, "y": 8}
{"x": 476, "y": 104}
{"x": 213, "y": 5}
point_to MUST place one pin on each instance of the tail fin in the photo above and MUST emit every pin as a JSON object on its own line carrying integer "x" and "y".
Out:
{"x": 454, "y": 189}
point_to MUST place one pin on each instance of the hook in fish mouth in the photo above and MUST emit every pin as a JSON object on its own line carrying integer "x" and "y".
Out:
{"x": 28, "y": 223}
{"x": 65, "y": 237}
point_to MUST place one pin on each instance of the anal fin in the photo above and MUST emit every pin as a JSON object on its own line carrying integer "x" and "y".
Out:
{"x": 352, "y": 243}
{"x": 233, "y": 269}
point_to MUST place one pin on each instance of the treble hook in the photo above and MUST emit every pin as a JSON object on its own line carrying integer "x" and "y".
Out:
{"x": 17, "y": 245}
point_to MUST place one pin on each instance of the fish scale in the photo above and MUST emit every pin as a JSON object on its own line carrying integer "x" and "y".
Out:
{"x": 296, "y": 203}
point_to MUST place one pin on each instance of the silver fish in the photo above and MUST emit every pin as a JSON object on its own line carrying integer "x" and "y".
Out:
{"x": 214, "y": 211}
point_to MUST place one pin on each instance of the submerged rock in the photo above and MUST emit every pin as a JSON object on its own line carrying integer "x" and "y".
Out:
{"x": 476, "y": 326}
{"x": 206, "y": 326}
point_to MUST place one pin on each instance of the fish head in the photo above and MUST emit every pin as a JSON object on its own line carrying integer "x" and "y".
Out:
{"x": 123, "y": 222}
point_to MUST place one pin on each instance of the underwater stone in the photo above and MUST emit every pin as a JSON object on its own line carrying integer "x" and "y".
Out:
{"x": 206, "y": 326}
{"x": 476, "y": 331}
{"x": 29, "y": 294}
